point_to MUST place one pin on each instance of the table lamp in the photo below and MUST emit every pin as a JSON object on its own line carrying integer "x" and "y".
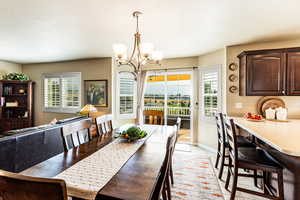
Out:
{"x": 87, "y": 109}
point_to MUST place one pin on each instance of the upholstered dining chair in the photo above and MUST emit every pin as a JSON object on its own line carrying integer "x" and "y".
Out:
{"x": 163, "y": 187}
{"x": 223, "y": 144}
{"x": 104, "y": 125}
{"x": 253, "y": 160}
{"x": 15, "y": 186}
{"x": 76, "y": 133}
{"x": 154, "y": 117}
{"x": 177, "y": 128}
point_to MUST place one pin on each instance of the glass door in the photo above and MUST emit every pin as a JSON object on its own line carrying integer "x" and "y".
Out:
{"x": 171, "y": 93}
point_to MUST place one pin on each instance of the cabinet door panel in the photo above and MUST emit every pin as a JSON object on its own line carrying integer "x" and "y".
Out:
{"x": 266, "y": 74}
{"x": 293, "y": 76}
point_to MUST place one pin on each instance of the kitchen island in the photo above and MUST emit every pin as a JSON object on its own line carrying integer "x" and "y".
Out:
{"x": 282, "y": 141}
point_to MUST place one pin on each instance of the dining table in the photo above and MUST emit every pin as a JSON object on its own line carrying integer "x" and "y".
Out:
{"x": 281, "y": 139}
{"x": 135, "y": 180}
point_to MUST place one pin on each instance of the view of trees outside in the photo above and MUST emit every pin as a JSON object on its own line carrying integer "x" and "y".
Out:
{"x": 176, "y": 93}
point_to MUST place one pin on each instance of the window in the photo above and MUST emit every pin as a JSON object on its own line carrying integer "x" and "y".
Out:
{"x": 62, "y": 92}
{"x": 210, "y": 91}
{"x": 127, "y": 95}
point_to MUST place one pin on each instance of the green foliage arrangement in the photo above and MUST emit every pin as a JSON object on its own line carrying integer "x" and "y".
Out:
{"x": 133, "y": 133}
{"x": 15, "y": 76}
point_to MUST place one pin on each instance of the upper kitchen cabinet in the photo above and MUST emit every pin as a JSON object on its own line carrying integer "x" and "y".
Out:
{"x": 293, "y": 75}
{"x": 274, "y": 72}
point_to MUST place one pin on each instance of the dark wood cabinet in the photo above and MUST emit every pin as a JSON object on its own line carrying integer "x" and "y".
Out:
{"x": 16, "y": 109}
{"x": 293, "y": 75}
{"x": 274, "y": 72}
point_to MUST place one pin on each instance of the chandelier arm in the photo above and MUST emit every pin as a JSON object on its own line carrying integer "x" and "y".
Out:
{"x": 134, "y": 49}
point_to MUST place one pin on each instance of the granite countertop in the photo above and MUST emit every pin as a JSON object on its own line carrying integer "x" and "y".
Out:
{"x": 283, "y": 136}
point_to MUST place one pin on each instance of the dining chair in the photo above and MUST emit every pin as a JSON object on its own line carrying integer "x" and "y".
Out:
{"x": 177, "y": 128}
{"x": 163, "y": 187}
{"x": 251, "y": 159}
{"x": 104, "y": 125}
{"x": 223, "y": 144}
{"x": 154, "y": 117}
{"x": 19, "y": 187}
{"x": 76, "y": 133}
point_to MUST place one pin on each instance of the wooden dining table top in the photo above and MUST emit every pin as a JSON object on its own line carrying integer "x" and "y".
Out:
{"x": 282, "y": 136}
{"x": 135, "y": 180}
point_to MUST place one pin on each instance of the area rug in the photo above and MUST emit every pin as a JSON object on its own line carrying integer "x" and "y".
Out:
{"x": 194, "y": 177}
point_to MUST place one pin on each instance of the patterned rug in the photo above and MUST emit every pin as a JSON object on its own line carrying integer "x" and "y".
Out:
{"x": 194, "y": 177}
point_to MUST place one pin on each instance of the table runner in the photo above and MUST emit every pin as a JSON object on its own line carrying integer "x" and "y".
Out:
{"x": 88, "y": 176}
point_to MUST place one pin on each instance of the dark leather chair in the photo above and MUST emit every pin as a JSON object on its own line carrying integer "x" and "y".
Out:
{"x": 223, "y": 144}
{"x": 18, "y": 187}
{"x": 254, "y": 160}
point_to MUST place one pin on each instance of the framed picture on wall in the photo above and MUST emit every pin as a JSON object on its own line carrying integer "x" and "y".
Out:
{"x": 96, "y": 92}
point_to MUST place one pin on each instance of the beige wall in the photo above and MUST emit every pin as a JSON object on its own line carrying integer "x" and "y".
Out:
{"x": 91, "y": 69}
{"x": 207, "y": 129}
{"x": 249, "y": 103}
{"x": 9, "y": 67}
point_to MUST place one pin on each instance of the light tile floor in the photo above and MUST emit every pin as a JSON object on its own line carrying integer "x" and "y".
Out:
{"x": 196, "y": 178}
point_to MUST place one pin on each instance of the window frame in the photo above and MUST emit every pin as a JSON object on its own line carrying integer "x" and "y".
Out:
{"x": 133, "y": 114}
{"x": 202, "y": 71}
{"x": 61, "y": 109}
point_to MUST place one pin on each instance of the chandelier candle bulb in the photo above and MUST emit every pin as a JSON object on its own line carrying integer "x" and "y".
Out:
{"x": 146, "y": 49}
{"x": 157, "y": 55}
{"x": 120, "y": 51}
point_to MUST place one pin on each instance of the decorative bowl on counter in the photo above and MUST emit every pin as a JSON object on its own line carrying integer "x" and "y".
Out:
{"x": 133, "y": 133}
{"x": 253, "y": 117}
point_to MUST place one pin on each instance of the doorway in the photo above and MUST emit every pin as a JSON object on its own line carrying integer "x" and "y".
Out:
{"x": 171, "y": 93}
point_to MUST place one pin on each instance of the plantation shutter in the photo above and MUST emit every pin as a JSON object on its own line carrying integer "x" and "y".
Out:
{"x": 210, "y": 92}
{"x": 62, "y": 92}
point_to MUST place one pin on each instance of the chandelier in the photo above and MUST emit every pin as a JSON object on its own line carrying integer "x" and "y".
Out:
{"x": 143, "y": 53}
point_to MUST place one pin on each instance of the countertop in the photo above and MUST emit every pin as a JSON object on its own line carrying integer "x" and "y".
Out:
{"x": 283, "y": 136}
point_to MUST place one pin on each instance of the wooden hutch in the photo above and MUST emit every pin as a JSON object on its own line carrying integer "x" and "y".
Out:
{"x": 16, "y": 103}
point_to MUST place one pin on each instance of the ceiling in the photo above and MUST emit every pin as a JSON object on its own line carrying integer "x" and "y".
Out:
{"x": 45, "y": 31}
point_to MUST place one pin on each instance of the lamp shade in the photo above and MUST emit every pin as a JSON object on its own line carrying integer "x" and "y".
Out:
{"x": 87, "y": 109}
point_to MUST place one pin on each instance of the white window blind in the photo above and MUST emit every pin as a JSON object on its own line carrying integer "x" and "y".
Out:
{"x": 127, "y": 95}
{"x": 62, "y": 92}
{"x": 210, "y": 91}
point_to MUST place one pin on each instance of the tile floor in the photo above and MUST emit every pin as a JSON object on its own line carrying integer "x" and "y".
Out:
{"x": 196, "y": 178}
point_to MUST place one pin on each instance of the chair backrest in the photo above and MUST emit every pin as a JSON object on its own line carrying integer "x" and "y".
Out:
{"x": 165, "y": 167}
{"x": 76, "y": 133}
{"x": 15, "y": 186}
{"x": 155, "y": 117}
{"x": 230, "y": 130}
{"x": 104, "y": 125}
{"x": 220, "y": 117}
{"x": 178, "y": 123}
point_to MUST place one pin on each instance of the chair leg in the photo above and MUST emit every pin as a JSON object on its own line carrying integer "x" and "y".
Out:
{"x": 280, "y": 185}
{"x": 222, "y": 163}
{"x": 227, "y": 179}
{"x": 234, "y": 183}
{"x": 171, "y": 173}
{"x": 265, "y": 182}
{"x": 168, "y": 187}
{"x": 255, "y": 177}
{"x": 218, "y": 155}
{"x": 164, "y": 195}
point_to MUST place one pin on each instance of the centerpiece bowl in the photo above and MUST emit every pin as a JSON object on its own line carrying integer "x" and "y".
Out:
{"x": 133, "y": 133}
